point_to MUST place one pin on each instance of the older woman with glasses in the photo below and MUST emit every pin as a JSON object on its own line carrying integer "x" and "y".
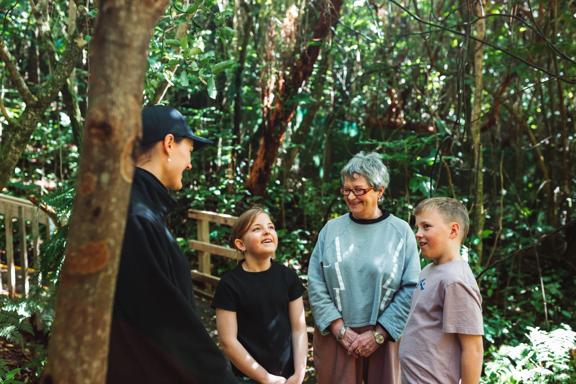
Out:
{"x": 361, "y": 276}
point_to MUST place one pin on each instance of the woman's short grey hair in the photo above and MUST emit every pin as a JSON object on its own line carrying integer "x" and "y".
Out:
{"x": 370, "y": 166}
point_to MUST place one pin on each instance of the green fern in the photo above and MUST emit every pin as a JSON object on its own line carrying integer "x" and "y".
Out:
{"x": 8, "y": 375}
{"x": 52, "y": 250}
{"x": 545, "y": 359}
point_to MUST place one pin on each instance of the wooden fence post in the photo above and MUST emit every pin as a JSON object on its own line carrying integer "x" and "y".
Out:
{"x": 10, "y": 252}
{"x": 23, "y": 251}
{"x": 205, "y": 249}
{"x": 18, "y": 272}
{"x": 36, "y": 249}
{"x": 204, "y": 236}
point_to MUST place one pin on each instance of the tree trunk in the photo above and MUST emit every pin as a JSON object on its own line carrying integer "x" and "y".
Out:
{"x": 243, "y": 22}
{"x": 72, "y": 107}
{"x": 79, "y": 343}
{"x": 278, "y": 115}
{"x": 475, "y": 125}
{"x": 565, "y": 158}
{"x": 299, "y": 137}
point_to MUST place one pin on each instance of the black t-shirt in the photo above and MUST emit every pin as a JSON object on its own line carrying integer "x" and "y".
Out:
{"x": 260, "y": 300}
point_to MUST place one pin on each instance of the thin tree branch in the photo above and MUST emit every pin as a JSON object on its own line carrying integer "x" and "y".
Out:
{"x": 569, "y": 80}
{"x": 535, "y": 30}
{"x": 4, "y": 111}
{"x": 162, "y": 88}
{"x": 15, "y": 75}
{"x": 70, "y": 57}
{"x": 47, "y": 209}
{"x": 536, "y": 243}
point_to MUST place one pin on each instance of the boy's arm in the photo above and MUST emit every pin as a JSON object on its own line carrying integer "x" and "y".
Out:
{"x": 227, "y": 325}
{"x": 299, "y": 340}
{"x": 471, "y": 358}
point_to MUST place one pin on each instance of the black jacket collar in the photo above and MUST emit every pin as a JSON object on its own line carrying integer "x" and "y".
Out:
{"x": 149, "y": 190}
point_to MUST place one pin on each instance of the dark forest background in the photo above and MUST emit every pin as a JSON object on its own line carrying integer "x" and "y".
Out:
{"x": 469, "y": 99}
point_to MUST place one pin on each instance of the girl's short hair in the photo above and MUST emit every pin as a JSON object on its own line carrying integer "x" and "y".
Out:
{"x": 451, "y": 209}
{"x": 243, "y": 223}
{"x": 370, "y": 166}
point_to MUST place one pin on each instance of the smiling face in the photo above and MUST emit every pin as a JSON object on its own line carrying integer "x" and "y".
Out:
{"x": 364, "y": 206}
{"x": 260, "y": 239}
{"x": 437, "y": 237}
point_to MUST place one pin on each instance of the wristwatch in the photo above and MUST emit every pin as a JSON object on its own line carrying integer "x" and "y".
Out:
{"x": 378, "y": 337}
{"x": 341, "y": 333}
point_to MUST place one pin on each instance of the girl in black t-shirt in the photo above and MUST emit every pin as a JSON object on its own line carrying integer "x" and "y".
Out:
{"x": 259, "y": 308}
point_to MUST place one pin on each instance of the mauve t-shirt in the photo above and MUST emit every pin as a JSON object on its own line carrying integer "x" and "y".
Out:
{"x": 446, "y": 303}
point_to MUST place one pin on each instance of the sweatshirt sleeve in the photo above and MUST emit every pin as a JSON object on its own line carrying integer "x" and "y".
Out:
{"x": 152, "y": 300}
{"x": 395, "y": 315}
{"x": 323, "y": 308}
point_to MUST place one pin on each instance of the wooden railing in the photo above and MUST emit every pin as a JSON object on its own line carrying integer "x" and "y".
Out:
{"x": 16, "y": 273}
{"x": 205, "y": 249}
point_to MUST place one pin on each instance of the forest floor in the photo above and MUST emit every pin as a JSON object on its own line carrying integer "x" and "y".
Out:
{"x": 16, "y": 362}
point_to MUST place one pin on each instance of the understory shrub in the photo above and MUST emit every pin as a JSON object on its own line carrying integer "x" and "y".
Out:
{"x": 547, "y": 357}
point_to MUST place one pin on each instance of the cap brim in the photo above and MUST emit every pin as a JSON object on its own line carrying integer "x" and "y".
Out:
{"x": 200, "y": 142}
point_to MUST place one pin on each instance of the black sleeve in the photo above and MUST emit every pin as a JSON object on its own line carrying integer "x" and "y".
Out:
{"x": 150, "y": 299}
{"x": 225, "y": 296}
{"x": 295, "y": 287}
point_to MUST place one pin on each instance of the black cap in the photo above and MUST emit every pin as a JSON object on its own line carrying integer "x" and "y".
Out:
{"x": 160, "y": 120}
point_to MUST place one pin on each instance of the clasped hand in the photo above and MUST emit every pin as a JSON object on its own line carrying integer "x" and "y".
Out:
{"x": 359, "y": 345}
{"x": 294, "y": 379}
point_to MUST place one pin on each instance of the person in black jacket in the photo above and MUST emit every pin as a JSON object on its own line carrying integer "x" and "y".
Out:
{"x": 156, "y": 335}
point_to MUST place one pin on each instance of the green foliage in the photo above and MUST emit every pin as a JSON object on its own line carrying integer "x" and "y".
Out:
{"x": 548, "y": 357}
{"x": 7, "y": 375}
{"x": 20, "y": 317}
{"x": 390, "y": 84}
{"x": 26, "y": 323}
{"x": 52, "y": 250}
{"x": 513, "y": 309}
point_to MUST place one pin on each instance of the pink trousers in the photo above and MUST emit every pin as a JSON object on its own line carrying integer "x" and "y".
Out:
{"x": 335, "y": 366}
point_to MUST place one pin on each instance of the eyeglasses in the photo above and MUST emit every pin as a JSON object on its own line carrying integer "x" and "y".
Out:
{"x": 355, "y": 191}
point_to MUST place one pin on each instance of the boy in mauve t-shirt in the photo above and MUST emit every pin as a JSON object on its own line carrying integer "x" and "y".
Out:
{"x": 442, "y": 342}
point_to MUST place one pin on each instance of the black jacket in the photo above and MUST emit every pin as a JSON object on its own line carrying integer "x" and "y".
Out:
{"x": 156, "y": 335}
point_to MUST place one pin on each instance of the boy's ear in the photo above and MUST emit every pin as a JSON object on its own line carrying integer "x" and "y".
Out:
{"x": 240, "y": 245}
{"x": 454, "y": 230}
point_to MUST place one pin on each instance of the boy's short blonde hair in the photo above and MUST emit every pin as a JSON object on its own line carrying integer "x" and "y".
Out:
{"x": 451, "y": 209}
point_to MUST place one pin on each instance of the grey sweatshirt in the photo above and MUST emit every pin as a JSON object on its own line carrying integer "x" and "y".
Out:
{"x": 363, "y": 271}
